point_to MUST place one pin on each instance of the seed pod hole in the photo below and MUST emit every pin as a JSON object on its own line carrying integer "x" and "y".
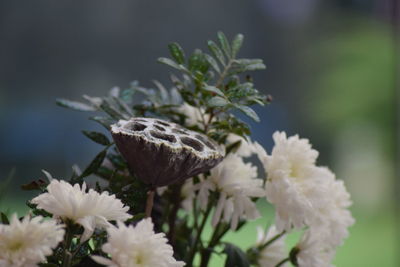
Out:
{"x": 135, "y": 126}
{"x": 175, "y": 130}
{"x": 163, "y": 136}
{"x": 162, "y": 123}
{"x": 196, "y": 145}
{"x": 159, "y": 128}
{"x": 205, "y": 141}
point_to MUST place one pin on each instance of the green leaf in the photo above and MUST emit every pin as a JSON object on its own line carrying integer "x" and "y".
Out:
{"x": 218, "y": 101}
{"x": 169, "y": 62}
{"x": 4, "y": 219}
{"x": 224, "y": 44}
{"x": 74, "y": 105}
{"x": 213, "y": 89}
{"x": 237, "y": 44}
{"x": 110, "y": 110}
{"x": 97, "y": 137}
{"x": 233, "y": 147}
{"x": 177, "y": 53}
{"x": 34, "y": 185}
{"x": 95, "y": 164}
{"x": 163, "y": 91}
{"x": 212, "y": 62}
{"x": 216, "y": 51}
{"x": 245, "y": 64}
{"x": 249, "y": 112}
{"x": 235, "y": 256}
{"x": 106, "y": 122}
{"x": 197, "y": 63}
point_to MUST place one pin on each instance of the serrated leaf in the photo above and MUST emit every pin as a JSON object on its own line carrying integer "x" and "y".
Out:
{"x": 218, "y": 101}
{"x": 212, "y": 62}
{"x": 106, "y": 122}
{"x": 94, "y": 101}
{"x": 163, "y": 91}
{"x": 95, "y": 164}
{"x": 249, "y": 112}
{"x": 224, "y": 44}
{"x": 246, "y": 64}
{"x": 74, "y": 105}
{"x": 114, "y": 92}
{"x": 235, "y": 256}
{"x": 237, "y": 44}
{"x": 76, "y": 171}
{"x": 216, "y": 51}
{"x": 248, "y": 61}
{"x": 257, "y": 66}
{"x": 177, "y": 53}
{"x": 4, "y": 219}
{"x": 110, "y": 110}
{"x": 169, "y": 62}
{"x": 97, "y": 137}
{"x": 233, "y": 147}
{"x": 213, "y": 89}
{"x": 48, "y": 175}
{"x": 176, "y": 97}
{"x": 197, "y": 63}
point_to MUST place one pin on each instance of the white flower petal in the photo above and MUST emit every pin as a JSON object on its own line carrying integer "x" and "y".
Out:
{"x": 28, "y": 242}
{"x": 89, "y": 209}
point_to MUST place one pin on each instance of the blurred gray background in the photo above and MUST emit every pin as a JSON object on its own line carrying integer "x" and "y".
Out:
{"x": 330, "y": 69}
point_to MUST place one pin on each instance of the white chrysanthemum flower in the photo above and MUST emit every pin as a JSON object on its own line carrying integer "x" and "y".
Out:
{"x": 312, "y": 252}
{"x": 335, "y": 218}
{"x": 138, "y": 246}
{"x": 26, "y": 243}
{"x": 89, "y": 209}
{"x": 274, "y": 253}
{"x": 237, "y": 183}
{"x": 194, "y": 115}
{"x": 291, "y": 183}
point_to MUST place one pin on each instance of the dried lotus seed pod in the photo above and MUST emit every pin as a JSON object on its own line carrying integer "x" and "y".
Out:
{"x": 161, "y": 152}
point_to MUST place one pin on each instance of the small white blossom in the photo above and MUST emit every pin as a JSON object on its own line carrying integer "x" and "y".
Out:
{"x": 246, "y": 148}
{"x": 335, "y": 217}
{"x": 313, "y": 253}
{"x": 89, "y": 209}
{"x": 274, "y": 253}
{"x": 194, "y": 115}
{"x": 138, "y": 246}
{"x": 291, "y": 183}
{"x": 237, "y": 183}
{"x": 26, "y": 243}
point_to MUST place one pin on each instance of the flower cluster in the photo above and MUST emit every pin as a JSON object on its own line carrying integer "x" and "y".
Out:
{"x": 306, "y": 195}
{"x": 236, "y": 183}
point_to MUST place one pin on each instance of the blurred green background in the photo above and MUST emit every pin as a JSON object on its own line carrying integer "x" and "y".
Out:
{"x": 330, "y": 68}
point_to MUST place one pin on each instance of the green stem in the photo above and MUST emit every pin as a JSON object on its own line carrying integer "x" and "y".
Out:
{"x": 223, "y": 74}
{"x": 149, "y": 202}
{"x": 215, "y": 238}
{"x": 197, "y": 239}
{"x": 67, "y": 259}
{"x": 282, "y": 262}
{"x": 176, "y": 203}
{"x": 269, "y": 242}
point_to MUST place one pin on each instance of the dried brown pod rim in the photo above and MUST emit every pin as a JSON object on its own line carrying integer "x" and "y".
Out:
{"x": 161, "y": 152}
